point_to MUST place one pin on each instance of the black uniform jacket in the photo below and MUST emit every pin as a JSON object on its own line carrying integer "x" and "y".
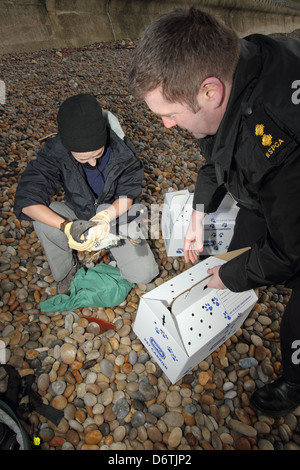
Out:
{"x": 55, "y": 168}
{"x": 255, "y": 156}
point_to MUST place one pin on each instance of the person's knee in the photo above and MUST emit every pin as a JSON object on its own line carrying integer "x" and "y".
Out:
{"x": 143, "y": 275}
{"x": 51, "y": 238}
{"x": 43, "y": 230}
{"x": 148, "y": 275}
{"x": 39, "y": 227}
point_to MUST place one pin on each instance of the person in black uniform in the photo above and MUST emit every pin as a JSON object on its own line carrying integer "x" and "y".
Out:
{"x": 237, "y": 97}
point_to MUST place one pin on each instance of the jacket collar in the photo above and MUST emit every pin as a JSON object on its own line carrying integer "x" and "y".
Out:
{"x": 244, "y": 81}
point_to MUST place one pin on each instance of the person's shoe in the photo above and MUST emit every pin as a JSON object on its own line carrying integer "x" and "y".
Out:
{"x": 63, "y": 286}
{"x": 278, "y": 398}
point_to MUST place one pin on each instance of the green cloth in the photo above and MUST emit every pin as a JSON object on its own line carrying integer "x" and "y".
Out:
{"x": 101, "y": 286}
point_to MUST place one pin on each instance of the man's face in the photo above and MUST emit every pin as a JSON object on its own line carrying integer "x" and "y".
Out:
{"x": 205, "y": 122}
{"x": 88, "y": 157}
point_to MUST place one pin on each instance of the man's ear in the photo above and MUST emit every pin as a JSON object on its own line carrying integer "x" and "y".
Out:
{"x": 213, "y": 90}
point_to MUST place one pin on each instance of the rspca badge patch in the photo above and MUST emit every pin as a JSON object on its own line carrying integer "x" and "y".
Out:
{"x": 273, "y": 142}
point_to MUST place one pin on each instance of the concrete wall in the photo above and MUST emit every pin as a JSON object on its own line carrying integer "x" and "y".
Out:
{"x": 28, "y": 25}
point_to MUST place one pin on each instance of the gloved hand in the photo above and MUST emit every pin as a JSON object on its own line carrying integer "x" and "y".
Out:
{"x": 101, "y": 226}
{"x": 79, "y": 235}
{"x": 76, "y": 233}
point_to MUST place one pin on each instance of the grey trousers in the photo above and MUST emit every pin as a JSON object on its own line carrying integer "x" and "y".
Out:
{"x": 135, "y": 262}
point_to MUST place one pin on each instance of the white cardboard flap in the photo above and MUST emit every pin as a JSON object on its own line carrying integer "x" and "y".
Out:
{"x": 189, "y": 297}
{"x": 232, "y": 254}
{"x": 186, "y": 280}
{"x": 177, "y": 205}
{"x": 173, "y": 211}
{"x": 164, "y": 317}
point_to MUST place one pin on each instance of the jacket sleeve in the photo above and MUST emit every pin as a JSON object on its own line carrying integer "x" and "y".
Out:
{"x": 208, "y": 193}
{"x": 40, "y": 181}
{"x": 274, "y": 258}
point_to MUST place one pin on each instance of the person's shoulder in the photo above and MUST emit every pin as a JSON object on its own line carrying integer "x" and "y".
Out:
{"x": 273, "y": 138}
{"x": 275, "y": 42}
{"x": 53, "y": 147}
{"x": 119, "y": 143}
{"x": 113, "y": 123}
{"x": 124, "y": 153}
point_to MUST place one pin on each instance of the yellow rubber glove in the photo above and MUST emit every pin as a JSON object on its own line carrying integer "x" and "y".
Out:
{"x": 98, "y": 232}
{"x": 102, "y": 229}
{"x": 84, "y": 246}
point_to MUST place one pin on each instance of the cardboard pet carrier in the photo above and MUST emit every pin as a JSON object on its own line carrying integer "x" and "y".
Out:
{"x": 218, "y": 226}
{"x": 182, "y": 322}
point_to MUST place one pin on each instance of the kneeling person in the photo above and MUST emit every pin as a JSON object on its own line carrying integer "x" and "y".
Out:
{"x": 96, "y": 165}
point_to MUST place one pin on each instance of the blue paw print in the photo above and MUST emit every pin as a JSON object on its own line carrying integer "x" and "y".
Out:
{"x": 161, "y": 332}
{"x": 208, "y": 307}
{"x": 227, "y": 316}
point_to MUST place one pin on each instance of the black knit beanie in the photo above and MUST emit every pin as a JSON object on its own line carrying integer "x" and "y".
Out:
{"x": 81, "y": 125}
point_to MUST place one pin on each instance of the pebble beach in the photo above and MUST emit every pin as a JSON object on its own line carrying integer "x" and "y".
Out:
{"x": 113, "y": 395}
